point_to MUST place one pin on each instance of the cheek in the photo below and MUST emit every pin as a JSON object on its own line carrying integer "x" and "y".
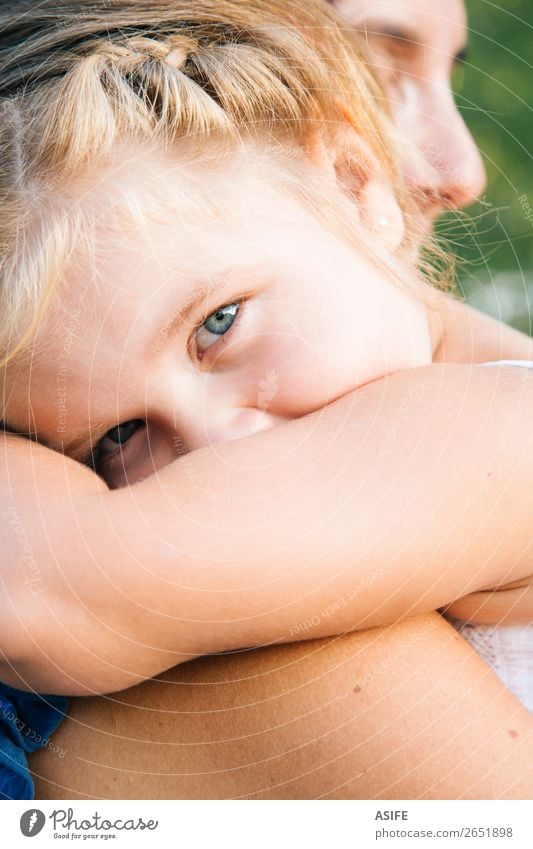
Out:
{"x": 293, "y": 377}
{"x": 342, "y": 341}
{"x": 301, "y": 369}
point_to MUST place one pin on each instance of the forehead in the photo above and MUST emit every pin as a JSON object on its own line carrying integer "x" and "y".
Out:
{"x": 159, "y": 222}
{"x": 166, "y": 235}
{"x": 145, "y": 205}
{"x": 430, "y": 22}
{"x": 188, "y": 192}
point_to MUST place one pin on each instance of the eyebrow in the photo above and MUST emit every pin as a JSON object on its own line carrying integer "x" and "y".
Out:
{"x": 403, "y": 35}
{"x": 81, "y": 445}
{"x": 217, "y": 283}
{"x": 395, "y": 32}
{"x": 183, "y": 313}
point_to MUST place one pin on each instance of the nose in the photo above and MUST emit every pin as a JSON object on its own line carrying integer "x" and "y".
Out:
{"x": 454, "y": 157}
{"x": 452, "y": 174}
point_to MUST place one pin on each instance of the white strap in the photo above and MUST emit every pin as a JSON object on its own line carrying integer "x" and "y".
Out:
{"x": 520, "y": 363}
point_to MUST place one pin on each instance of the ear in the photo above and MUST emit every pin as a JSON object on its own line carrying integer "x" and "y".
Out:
{"x": 359, "y": 174}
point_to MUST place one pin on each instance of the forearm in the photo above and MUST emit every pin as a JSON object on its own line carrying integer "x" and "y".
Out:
{"x": 305, "y": 530}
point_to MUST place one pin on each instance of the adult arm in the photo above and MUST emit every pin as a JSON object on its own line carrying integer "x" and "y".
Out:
{"x": 404, "y": 712}
{"x": 240, "y": 544}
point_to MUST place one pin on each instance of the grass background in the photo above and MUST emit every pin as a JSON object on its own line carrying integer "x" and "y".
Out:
{"x": 494, "y": 91}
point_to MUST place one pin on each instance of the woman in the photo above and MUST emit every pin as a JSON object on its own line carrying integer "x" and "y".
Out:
{"x": 512, "y": 729}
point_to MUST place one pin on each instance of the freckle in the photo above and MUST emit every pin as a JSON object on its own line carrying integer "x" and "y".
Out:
{"x": 512, "y": 733}
{"x": 356, "y": 689}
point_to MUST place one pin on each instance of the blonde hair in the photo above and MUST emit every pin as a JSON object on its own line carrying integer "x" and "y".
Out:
{"x": 76, "y": 78}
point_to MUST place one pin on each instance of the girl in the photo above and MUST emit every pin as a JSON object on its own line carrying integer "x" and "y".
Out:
{"x": 142, "y": 74}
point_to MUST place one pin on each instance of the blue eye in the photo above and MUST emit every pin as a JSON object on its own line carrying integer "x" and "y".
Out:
{"x": 215, "y": 326}
{"x": 118, "y": 436}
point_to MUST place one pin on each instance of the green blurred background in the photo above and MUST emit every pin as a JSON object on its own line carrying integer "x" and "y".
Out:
{"x": 494, "y": 91}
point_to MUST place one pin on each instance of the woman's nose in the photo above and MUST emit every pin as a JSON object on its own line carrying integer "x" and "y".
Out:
{"x": 459, "y": 171}
{"x": 454, "y": 175}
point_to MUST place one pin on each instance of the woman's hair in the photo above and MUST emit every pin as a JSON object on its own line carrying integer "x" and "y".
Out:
{"x": 78, "y": 77}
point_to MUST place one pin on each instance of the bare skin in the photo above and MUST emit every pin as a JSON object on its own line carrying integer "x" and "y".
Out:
{"x": 399, "y": 713}
{"x": 117, "y": 565}
{"x": 303, "y": 701}
{"x": 250, "y": 555}
{"x": 416, "y": 45}
{"x": 467, "y": 334}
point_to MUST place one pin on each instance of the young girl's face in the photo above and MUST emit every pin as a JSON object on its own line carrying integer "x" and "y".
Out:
{"x": 219, "y": 319}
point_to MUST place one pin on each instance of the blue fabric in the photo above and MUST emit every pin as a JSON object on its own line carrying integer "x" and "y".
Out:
{"x": 26, "y": 722}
